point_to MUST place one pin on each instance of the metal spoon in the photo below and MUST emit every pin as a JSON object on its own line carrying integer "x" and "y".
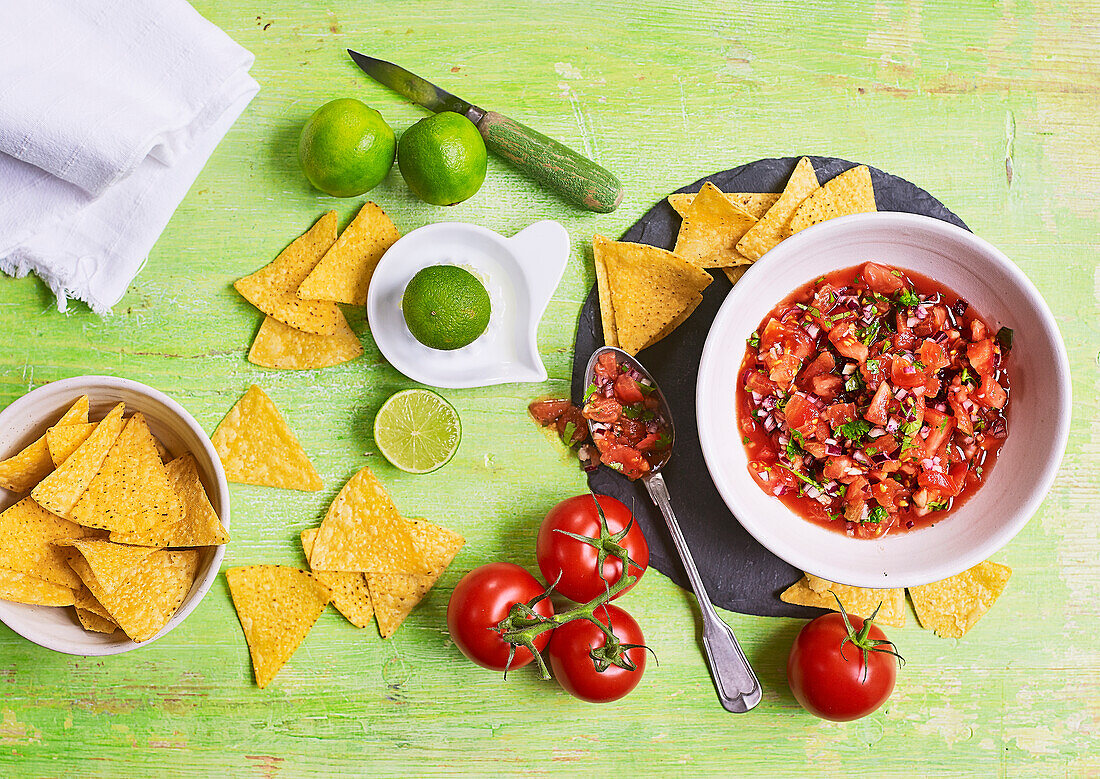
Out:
{"x": 737, "y": 686}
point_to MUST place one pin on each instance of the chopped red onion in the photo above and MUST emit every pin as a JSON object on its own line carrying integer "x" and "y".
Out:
{"x": 875, "y": 432}
{"x": 757, "y": 397}
{"x": 911, "y": 321}
{"x": 921, "y": 312}
{"x": 848, "y": 369}
{"x": 900, "y": 393}
{"x": 833, "y": 450}
{"x": 769, "y": 423}
{"x": 813, "y": 330}
{"x": 811, "y": 491}
{"x": 860, "y": 457}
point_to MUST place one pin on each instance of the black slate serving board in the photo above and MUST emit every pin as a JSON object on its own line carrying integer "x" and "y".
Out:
{"x": 739, "y": 573}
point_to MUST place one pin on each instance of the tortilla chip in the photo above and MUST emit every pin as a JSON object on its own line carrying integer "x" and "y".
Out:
{"x": 849, "y": 193}
{"x": 89, "y": 620}
{"x": 257, "y": 447}
{"x": 362, "y": 531}
{"x": 814, "y": 591}
{"x": 200, "y": 525}
{"x": 350, "y": 595}
{"x": 756, "y": 203}
{"x": 22, "y": 471}
{"x": 770, "y": 229}
{"x": 274, "y": 288}
{"x": 111, "y": 564}
{"x": 679, "y": 320}
{"x": 60, "y": 491}
{"x": 277, "y": 607}
{"x": 85, "y": 601}
{"x": 281, "y": 346}
{"x": 152, "y": 593}
{"x": 607, "y": 307}
{"x": 952, "y": 606}
{"x": 649, "y": 288}
{"x": 735, "y": 274}
{"x": 24, "y": 588}
{"x": 131, "y": 492}
{"x": 28, "y": 534}
{"x": 711, "y": 229}
{"x": 63, "y": 440}
{"x": 394, "y": 595}
{"x": 344, "y": 273}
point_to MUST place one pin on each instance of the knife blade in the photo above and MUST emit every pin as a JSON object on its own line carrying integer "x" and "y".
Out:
{"x": 553, "y": 164}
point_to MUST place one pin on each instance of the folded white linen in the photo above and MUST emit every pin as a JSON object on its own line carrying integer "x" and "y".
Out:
{"x": 108, "y": 111}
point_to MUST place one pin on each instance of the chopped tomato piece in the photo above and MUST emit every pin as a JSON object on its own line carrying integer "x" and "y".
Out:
{"x": 784, "y": 368}
{"x": 572, "y": 416}
{"x": 627, "y": 461}
{"x": 606, "y": 366}
{"x": 889, "y": 494}
{"x": 955, "y": 397}
{"x": 905, "y": 374}
{"x": 823, "y": 363}
{"x": 546, "y": 412}
{"x": 991, "y": 393}
{"x": 627, "y": 390}
{"x": 884, "y": 444}
{"x": 790, "y": 338}
{"x": 980, "y": 355}
{"x": 933, "y": 356}
{"x": 757, "y": 382}
{"x": 844, "y": 339}
{"x": 839, "y": 467}
{"x": 940, "y": 426}
{"x": 801, "y": 413}
{"x": 877, "y": 411}
{"x": 600, "y": 409}
{"x": 826, "y": 386}
{"x": 839, "y": 414}
{"x": 882, "y": 280}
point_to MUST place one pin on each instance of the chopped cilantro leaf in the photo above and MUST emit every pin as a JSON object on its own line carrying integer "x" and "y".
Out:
{"x": 794, "y": 451}
{"x": 631, "y": 413}
{"x": 663, "y": 441}
{"x": 966, "y": 376}
{"x": 937, "y": 505}
{"x": 567, "y": 434}
{"x": 855, "y": 429}
{"x": 907, "y": 298}
{"x": 878, "y": 513}
{"x": 867, "y": 335}
{"x": 802, "y": 476}
{"x": 754, "y": 339}
{"x": 854, "y": 383}
{"x": 745, "y": 440}
{"x": 1004, "y": 337}
{"x": 645, "y": 388}
{"x": 872, "y": 365}
{"x": 590, "y": 392}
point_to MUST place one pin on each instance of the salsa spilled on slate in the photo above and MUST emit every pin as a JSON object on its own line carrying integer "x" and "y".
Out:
{"x": 873, "y": 401}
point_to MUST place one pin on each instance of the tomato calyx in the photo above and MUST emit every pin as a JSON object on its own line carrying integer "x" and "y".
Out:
{"x": 613, "y": 652}
{"x": 607, "y": 544}
{"x": 862, "y": 640}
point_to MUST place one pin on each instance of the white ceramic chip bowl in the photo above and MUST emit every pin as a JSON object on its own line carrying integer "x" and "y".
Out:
{"x": 27, "y": 418}
{"x": 520, "y": 274}
{"x": 1038, "y": 414}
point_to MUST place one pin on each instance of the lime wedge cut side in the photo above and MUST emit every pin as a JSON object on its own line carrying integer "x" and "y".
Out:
{"x": 417, "y": 430}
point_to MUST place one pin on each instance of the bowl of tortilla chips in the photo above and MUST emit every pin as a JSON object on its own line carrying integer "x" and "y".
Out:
{"x": 113, "y": 515}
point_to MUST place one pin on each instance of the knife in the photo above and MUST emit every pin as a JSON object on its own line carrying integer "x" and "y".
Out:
{"x": 554, "y": 165}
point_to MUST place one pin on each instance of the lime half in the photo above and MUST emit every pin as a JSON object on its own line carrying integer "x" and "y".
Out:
{"x": 417, "y": 430}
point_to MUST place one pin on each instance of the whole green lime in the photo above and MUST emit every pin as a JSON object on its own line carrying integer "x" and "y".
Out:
{"x": 442, "y": 159}
{"x": 346, "y": 148}
{"x": 445, "y": 307}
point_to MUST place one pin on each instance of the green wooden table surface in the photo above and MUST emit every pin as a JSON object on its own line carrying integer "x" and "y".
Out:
{"x": 990, "y": 106}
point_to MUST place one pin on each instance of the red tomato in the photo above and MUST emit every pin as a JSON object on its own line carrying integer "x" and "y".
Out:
{"x": 801, "y": 413}
{"x": 480, "y": 600}
{"x": 600, "y": 409}
{"x": 882, "y": 280}
{"x": 574, "y": 667}
{"x": 575, "y": 561}
{"x": 606, "y": 366}
{"x": 627, "y": 391}
{"x": 546, "y": 412}
{"x": 838, "y": 681}
{"x": 626, "y": 460}
{"x": 876, "y": 412}
{"x": 846, "y": 341}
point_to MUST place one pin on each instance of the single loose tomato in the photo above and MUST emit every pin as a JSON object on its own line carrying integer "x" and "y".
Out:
{"x": 575, "y": 561}
{"x": 481, "y": 599}
{"x": 840, "y": 674}
{"x": 575, "y": 668}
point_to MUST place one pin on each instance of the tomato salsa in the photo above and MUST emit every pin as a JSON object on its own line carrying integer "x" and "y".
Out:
{"x": 873, "y": 400}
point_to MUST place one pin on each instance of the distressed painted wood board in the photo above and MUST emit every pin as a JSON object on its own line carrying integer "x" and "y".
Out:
{"x": 990, "y": 107}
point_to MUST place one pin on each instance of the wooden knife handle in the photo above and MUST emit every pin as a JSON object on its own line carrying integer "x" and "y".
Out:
{"x": 553, "y": 165}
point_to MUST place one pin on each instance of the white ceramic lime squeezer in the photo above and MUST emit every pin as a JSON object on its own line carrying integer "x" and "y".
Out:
{"x": 519, "y": 273}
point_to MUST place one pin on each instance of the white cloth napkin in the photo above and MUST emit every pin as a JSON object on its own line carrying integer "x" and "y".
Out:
{"x": 108, "y": 111}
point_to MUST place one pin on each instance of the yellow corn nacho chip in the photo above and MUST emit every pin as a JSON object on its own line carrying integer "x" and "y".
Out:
{"x": 735, "y": 274}
{"x": 649, "y": 288}
{"x": 814, "y": 591}
{"x": 274, "y": 288}
{"x": 63, "y": 440}
{"x": 257, "y": 447}
{"x": 362, "y": 531}
{"x": 131, "y": 492}
{"x": 152, "y": 593}
{"x": 679, "y": 320}
{"x": 199, "y": 526}
{"x": 60, "y": 491}
{"x": 111, "y": 564}
{"x": 24, "y": 588}
{"x": 350, "y": 595}
{"x": 607, "y": 307}
{"x": 952, "y": 606}
{"x": 89, "y": 620}
{"x": 22, "y": 471}
{"x": 756, "y": 203}
{"x": 281, "y": 346}
{"x": 84, "y": 600}
{"x": 849, "y": 193}
{"x": 711, "y": 229}
{"x": 344, "y": 273}
{"x": 28, "y": 534}
{"x": 769, "y": 231}
{"x": 277, "y": 607}
{"x": 394, "y": 595}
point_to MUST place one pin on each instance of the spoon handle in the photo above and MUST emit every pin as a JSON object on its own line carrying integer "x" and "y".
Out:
{"x": 737, "y": 686}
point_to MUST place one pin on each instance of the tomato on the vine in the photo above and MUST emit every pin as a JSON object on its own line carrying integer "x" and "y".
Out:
{"x": 575, "y": 561}
{"x": 575, "y": 668}
{"x": 841, "y": 672}
{"x": 481, "y": 599}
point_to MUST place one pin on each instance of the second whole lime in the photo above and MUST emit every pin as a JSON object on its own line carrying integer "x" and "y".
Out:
{"x": 446, "y": 307}
{"x": 442, "y": 159}
{"x": 346, "y": 148}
